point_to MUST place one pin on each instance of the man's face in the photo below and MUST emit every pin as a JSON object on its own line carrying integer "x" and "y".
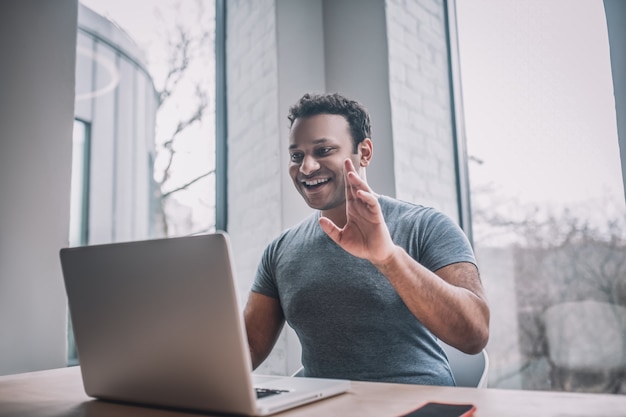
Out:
{"x": 318, "y": 146}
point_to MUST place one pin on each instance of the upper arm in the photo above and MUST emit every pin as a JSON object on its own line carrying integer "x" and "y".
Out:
{"x": 264, "y": 319}
{"x": 464, "y": 275}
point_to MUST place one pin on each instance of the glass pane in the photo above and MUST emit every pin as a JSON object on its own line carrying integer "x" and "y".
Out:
{"x": 152, "y": 90}
{"x": 80, "y": 179}
{"x": 78, "y": 208}
{"x": 144, "y": 149}
{"x": 549, "y": 216}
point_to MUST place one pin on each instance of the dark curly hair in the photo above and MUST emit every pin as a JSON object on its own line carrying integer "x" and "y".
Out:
{"x": 355, "y": 114}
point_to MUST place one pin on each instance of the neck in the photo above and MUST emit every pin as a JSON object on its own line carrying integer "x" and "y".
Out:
{"x": 337, "y": 215}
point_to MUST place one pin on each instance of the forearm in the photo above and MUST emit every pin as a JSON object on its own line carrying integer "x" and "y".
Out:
{"x": 257, "y": 354}
{"x": 450, "y": 303}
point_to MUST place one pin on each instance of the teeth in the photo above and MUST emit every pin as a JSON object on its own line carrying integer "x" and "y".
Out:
{"x": 315, "y": 182}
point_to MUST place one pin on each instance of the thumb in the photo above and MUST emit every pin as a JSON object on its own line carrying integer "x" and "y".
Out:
{"x": 330, "y": 228}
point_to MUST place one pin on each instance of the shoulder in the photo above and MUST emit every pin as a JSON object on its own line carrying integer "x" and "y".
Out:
{"x": 398, "y": 210}
{"x": 298, "y": 232}
{"x": 427, "y": 234}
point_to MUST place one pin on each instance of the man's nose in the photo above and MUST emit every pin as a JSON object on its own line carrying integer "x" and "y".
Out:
{"x": 309, "y": 165}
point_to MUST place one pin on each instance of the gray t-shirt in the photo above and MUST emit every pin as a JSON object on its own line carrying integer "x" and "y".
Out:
{"x": 351, "y": 322}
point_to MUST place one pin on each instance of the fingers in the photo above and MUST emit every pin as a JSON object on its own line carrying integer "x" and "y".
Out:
{"x": 348, "y": 166}
{"x": 349, "y": 172}
{"x": 353, "y": 179}
{"x": 367, "y": 198}
{"x": 356, "y": 187}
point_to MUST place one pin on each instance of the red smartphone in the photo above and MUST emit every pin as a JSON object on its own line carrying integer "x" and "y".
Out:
{"x": 433, "y": 409}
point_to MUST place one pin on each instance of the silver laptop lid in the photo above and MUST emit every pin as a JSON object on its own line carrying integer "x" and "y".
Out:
{"x": 145, "y": 318}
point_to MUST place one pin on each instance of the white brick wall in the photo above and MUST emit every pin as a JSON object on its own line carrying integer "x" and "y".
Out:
{"x": 253, "y": 145}
{"x": 420, "y": 104}
{"x": 254, "y": 163}
{"x": 422, "y": 137}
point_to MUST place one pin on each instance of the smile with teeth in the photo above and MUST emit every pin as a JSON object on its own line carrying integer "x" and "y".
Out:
{"x": 312, "y": 183}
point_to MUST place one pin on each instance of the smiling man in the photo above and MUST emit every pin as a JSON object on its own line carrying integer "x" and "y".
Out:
{"x": 367, "y": 282}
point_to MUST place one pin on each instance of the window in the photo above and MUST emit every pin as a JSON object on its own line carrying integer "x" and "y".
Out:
{"x": 79, "y": 205}
{"x": 145, "y": 148}
{"x": 549, "y": 219}
{"x": 146, "y": 84}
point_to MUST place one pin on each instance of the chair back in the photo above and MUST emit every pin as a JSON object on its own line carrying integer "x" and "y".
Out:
{"x": 468, "y": 370}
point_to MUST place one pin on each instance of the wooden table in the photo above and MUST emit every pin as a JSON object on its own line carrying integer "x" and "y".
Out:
{"x": 59, "y": 392}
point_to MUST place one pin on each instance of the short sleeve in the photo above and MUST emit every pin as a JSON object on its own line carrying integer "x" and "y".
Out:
{"x": 264, "y": 281}
{"x": 442, "y": 242}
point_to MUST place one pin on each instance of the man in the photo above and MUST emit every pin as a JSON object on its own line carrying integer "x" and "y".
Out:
{"x": 367, "y": 282}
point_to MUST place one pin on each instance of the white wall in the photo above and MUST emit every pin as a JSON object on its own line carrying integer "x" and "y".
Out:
{"x": 37, "y": 43}
{"x": 421, "y": 109}
{"x": 357, "y": 65}
{"x": 301, "y": 68}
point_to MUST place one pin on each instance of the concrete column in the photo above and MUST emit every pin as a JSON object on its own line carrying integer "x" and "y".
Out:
{"x": 38, "y": 43}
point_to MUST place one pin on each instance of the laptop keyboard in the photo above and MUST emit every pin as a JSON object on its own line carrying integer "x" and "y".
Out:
{"x": 266, "y": 392}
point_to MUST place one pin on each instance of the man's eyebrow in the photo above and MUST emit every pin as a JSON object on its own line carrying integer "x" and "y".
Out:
{"x": 315, "y": 142}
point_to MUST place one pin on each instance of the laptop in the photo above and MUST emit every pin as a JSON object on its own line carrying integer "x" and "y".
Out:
{"x": 158, "y": 322}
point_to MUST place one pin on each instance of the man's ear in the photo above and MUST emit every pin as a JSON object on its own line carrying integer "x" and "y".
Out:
{"x": 366, "y": 149}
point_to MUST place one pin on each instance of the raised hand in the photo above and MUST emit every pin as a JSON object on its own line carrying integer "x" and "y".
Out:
{"x": 365, "y": 234}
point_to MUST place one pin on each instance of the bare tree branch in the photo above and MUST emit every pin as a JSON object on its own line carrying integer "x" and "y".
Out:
{"x": 188, "y": 46}
{"x": 186, "y": 185}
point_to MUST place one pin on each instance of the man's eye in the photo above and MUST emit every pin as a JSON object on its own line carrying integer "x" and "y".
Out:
{"x": 296, "y": 157}
{"x": 324, "y": 151}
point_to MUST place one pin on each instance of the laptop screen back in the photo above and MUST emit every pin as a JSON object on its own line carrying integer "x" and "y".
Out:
{"x": 158, "y": 322}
